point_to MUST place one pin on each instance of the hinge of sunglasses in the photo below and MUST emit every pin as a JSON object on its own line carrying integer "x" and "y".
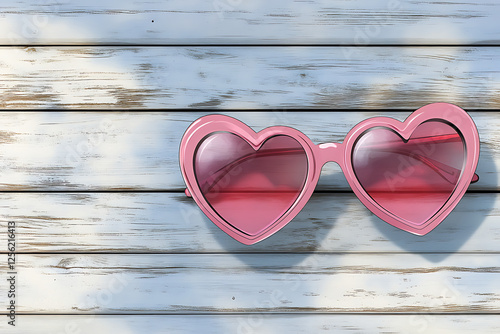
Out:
{"x": 475, "y": 178}
{"x": 188, "y": 194}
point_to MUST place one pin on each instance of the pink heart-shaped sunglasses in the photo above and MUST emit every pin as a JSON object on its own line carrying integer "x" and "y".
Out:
{"x": 411, "y": 174}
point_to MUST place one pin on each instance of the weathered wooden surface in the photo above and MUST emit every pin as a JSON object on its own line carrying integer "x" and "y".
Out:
{"x": 335, "y": 267}
{"x": 139, "y": 150}
{"x": 357, "y": 22}
{"x": 194, "y": 283}
{"x": 249, "y": 323}
{"x": 248, "y": 77}
{"x": 172, "y": 223}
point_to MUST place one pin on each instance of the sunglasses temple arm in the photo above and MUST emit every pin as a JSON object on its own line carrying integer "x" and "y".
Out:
{"x": 450, "y": 174}
{"x": 445, "y": 171}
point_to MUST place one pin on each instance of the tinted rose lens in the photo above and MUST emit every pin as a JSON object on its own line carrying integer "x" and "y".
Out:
{"x": 250, "y": 189}
{"x": 412, "y": 180}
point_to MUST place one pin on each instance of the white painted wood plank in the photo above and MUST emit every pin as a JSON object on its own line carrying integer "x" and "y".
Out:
{"x": 193, "y": 283}
{"x": 257, "y": 323}
{"x": 242, "y": 77}
{"x": 171, "y": 223}
{"x": 139, "y": 150}
{"x": 258, "y": 21}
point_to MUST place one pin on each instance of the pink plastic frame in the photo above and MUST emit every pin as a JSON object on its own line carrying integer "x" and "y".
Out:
{"x": 318, "y": 155}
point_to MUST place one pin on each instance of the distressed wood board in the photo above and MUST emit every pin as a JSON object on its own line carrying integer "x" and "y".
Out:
{"x": 304, "y": 283}
{"x": 96, "y": 151}
{"x": 269, "y": 78}
{"x": 129, "y": 223}
{"x": 159, "y": 22}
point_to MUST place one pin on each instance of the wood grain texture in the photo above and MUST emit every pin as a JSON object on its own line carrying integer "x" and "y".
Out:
{"x": 228, "y": 78}
{"x": 172, "y": 223}
{"x": 199, "y": 283}
{"x": 139, "y": 150}
{"x": 249, "y": 323}
{"x": 261, "y": 22}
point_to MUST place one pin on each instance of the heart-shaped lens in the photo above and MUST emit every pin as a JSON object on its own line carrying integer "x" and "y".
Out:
{"x": 411, "y": 179}
{"x": 250, "y": 188}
